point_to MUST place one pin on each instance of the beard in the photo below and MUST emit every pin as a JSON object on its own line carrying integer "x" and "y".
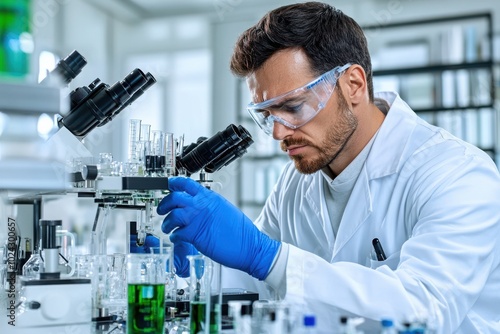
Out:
{"x": 340, "y": 131}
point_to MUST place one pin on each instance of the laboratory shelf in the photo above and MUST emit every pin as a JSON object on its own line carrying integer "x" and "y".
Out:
{"x": 454, "y": 108}
{"x": 434, "y": 20}
{"x": 433, "y": 68}
{"x": 444, "y": 68}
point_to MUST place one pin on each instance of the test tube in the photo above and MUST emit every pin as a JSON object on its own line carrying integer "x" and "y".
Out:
{"x": 145, "y": 142}
{"x": 144, "y": 223}
{"x": 155, "y": 160}
{"x": 134, "y": 136}
{"x": 169, "y": 167}
{"x": 145, "y": 132}
{"x": 180, "y": 152}
{"x": 158, "y": 142}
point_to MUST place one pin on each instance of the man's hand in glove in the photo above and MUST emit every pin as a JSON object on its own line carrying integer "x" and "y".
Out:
{"x": 151, "y": 241}
{"x": 216, "y": 228}
{"x": 181, "y": 262}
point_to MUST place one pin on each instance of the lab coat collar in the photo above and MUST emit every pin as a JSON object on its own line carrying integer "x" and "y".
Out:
{"x": 384, "y": 159}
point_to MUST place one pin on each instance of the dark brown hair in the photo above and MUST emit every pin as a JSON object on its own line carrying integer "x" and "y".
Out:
{"x": 327, "y": 36}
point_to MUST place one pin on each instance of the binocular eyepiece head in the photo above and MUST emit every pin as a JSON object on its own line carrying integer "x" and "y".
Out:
{"x": 98, "y": 103}
{"x": 216, "y": 152}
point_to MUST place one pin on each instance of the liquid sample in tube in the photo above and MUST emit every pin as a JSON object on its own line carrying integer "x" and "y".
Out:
{"x": 205, "y": 295}
{"x": 198, "y": 314}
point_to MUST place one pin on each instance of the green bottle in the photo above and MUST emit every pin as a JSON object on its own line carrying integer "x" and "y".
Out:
{"x": 15, "y": 39}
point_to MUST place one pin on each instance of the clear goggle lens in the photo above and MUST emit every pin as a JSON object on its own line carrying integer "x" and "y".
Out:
{"x": 297, "y": 107}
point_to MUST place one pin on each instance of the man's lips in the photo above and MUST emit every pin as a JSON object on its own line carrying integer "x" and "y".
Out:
{"x": 295, "y": 149}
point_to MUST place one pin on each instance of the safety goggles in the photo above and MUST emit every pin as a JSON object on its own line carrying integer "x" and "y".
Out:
{"x": 297, "y": 107}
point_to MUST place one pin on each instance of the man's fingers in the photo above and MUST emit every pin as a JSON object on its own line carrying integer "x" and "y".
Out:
{"x": 175, "y": 219}
{"x": 172, "y": 201}
{"x": 184, "y": 184}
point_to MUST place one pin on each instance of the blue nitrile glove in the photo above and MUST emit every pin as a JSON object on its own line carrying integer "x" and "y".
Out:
{"x": 216, "y": 228}
{"x": 151, "y": 241}
{"x": 181, "y": 262}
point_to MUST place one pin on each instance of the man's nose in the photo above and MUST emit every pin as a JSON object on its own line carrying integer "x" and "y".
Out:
{"x": 281, "y": 131}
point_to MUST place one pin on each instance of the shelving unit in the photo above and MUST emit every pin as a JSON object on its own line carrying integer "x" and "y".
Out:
{"x": 442, "y": 67}
{"x": 444, "y": 70}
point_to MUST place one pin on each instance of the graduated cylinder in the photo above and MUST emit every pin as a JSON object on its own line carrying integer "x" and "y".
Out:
{"x": 205, "y": 295}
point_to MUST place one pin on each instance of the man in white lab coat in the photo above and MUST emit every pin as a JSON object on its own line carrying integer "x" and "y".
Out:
{"x": 364, "y": 167}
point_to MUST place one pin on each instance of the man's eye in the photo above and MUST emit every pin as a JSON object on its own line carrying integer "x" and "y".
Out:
{"x": 292, "y": 108}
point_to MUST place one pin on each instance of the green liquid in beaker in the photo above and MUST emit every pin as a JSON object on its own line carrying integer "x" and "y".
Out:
{"x": 146, "y": 308}
{"x": 197, "y": 315}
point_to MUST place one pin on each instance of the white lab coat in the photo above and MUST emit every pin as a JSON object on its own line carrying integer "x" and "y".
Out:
{"x": 433, "y": 201}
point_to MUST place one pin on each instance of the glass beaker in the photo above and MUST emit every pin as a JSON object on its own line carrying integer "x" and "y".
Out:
{"x": 166, "y": 249}
{"x": 205, "y": 295}
{"x": 146, "y": 277}
{"x": 82, "y": 265}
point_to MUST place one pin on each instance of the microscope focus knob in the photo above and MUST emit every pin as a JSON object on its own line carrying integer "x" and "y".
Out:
{"x": 33, "y": 305}
{"x": 90, "y": 172}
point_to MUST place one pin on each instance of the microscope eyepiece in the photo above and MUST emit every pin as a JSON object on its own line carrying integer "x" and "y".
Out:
{"x": 232, "y": 154}
{"x": 67, "y": 69}
{"x": 72, "y": 65}
{"x": 123, "y": 90}
{"x": 217, "y": 151}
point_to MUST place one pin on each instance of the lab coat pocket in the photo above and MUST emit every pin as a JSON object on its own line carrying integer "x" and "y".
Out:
{"x": 392, "y": 262}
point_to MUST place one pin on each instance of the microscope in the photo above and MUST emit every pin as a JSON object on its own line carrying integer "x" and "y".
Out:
{"x": 42, "y": 128}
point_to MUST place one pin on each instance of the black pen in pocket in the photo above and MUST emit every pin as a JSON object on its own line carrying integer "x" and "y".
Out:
{"x": 379, "y": 251}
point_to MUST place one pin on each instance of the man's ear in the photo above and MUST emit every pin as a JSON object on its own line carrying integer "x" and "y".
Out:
{"x": 355, "y": 87}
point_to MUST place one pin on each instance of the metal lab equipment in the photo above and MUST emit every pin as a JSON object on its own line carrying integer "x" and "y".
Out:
{"x": 50, "y": 300}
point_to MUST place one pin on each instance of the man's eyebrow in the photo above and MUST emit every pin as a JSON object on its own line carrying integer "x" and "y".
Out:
{"x": 282, "y": 103}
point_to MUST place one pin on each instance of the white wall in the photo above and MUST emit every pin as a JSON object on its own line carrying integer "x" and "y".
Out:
{"x": 177, "y": 53}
